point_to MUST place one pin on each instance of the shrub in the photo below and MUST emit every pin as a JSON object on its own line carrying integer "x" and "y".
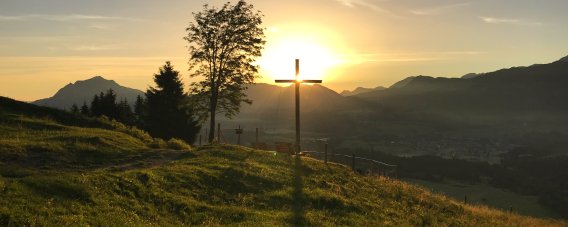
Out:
{"x": 178, "y": 144}
{"x": 158, "y": 143}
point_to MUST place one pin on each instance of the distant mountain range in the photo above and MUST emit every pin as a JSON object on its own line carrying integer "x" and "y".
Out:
{"x": 360, "y": 90}
{"x": 539, "y": 88}
{"x": 419, "y": 115}
{"x": 536, "y": 88}
{"x": 85, "y": 90}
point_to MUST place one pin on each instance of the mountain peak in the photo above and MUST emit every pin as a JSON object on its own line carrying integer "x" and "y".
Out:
{"x": 403, "y": 83}
{"x": 470, "y": 76}
{"x": 83, "y": 91}
{"x": 96, "y": 79}
{"x": 361, "y": 90}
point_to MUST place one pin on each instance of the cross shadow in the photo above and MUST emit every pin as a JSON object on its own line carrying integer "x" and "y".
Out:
{"x": 298, "y": 197}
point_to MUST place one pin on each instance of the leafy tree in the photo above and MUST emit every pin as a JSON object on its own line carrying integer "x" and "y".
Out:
{"x": 167, "y": 113}
{"x": 223, "y": 45}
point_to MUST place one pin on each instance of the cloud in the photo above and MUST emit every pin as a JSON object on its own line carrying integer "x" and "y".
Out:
{"x": 101, "y": 26}
{"x": 365, "y": 58}
{"x": 94, "y": 48}
{"x": 10, "y": 18}
{"x": 438, "y": 9}
{"x": 494, "y": 20}
{"x": 63, "y": 17}
{"x": 37, "y": 38}
{"x": 365, "y": 4}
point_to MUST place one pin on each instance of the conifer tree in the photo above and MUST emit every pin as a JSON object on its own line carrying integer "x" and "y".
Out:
{"x": 167, "y": 113}
{"x": 109, "y": 105}
{"x": 96, "y": 109}
{"x": 125, "y": 114}
{"x": 139, "y": 107}
{"x": 105, "y": 104}
{"x": 74, "y": 108}
{"x": 85, "y": 109}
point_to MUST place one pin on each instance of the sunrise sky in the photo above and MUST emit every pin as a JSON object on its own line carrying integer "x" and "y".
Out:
{"x": 46, "y": 44}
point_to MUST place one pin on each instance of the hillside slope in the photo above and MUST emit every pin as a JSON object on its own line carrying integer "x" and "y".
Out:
{"x": 55, "y": 174}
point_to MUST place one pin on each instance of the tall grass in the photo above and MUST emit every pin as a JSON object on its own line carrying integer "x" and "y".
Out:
{"x": 231, "y": 185}
{"x": 55, "y": 174}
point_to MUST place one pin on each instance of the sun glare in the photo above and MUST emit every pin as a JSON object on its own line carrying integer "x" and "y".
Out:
{"x": 278, "y": 59}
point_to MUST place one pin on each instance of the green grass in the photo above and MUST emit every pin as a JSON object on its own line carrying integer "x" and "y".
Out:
{"x": 229, "y": 185}
{"x": 44, "y": 144}
{"x": 54, "y": 174}
{"x": 486, "y": 195}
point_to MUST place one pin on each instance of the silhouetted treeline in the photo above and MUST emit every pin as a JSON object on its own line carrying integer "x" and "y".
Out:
{"x": 106, "y": 104}
{"x": 165, "y": 112}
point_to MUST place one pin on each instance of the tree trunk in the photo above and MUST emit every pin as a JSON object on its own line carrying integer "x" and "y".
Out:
{"x": 213, "y": 110}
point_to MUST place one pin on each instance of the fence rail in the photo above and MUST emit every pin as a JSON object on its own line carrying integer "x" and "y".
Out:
{"x": 358, "y": 164}
{"x": 375, "y": 167}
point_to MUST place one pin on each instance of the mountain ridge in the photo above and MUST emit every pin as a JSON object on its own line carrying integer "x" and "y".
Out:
{"x": 84, "y": 90}
{"x": 536, "y": 87}
{"x": 360, "y": 90}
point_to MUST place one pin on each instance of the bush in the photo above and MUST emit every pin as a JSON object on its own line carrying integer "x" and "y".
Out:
{"x": 178, "y": 144}
{"x": 110, "y": 124}
{"x": 158, "y": 143}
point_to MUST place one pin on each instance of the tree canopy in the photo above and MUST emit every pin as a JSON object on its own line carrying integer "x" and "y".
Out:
{"x": 223, "y": 45}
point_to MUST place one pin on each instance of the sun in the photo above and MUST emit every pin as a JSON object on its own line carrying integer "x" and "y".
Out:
{"x": 278, "y": 59}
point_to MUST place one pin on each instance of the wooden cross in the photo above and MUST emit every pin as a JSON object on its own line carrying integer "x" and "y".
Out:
{"x": 297, "y": 82}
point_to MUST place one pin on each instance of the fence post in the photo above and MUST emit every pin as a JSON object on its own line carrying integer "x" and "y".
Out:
{"x": 239, "y": 136}
{"x": 325, "y": 151}
{"x": 219, "y": 132}
{"x": 200, "y": 140}
{"x": 465, "y": 199}
{"x": 353, "y": 162}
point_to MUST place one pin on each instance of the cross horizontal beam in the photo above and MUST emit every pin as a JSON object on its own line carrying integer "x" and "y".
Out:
{"x": 300, "y": 81}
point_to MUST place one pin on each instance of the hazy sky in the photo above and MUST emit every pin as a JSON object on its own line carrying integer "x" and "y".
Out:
{"x": 45, "y": 44}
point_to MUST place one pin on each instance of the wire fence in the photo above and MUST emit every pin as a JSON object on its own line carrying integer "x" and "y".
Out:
{"x": 316, "y": 148}
{"x": 358, "y": 164}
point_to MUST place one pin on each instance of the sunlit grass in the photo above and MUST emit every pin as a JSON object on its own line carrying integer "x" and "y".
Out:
{"x": 53, "y": 174}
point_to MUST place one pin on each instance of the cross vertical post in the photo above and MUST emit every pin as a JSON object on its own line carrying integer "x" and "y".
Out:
{"x": 297, "y": 86}
{"x": 297, "y": 82}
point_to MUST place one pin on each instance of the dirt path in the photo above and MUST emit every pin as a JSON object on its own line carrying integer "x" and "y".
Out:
{"x": 154, "y": 160}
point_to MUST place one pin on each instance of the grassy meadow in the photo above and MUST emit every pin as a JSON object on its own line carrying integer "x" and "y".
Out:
{"x": 57, "y": 174}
